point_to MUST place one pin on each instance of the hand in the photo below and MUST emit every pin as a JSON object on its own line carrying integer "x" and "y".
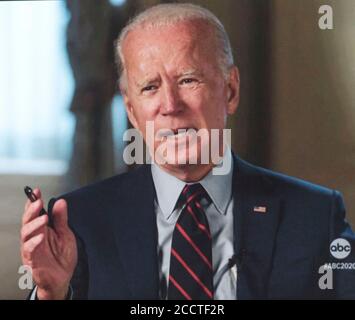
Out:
{"x": 50, "y": 252}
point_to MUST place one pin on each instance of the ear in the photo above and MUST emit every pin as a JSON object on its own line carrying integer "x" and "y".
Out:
{"x": 233, "y": 90}
{"x": 130, "y": 110}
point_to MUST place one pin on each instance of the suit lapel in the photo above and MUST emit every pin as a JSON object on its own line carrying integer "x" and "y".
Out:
{"x": 254, "y": 229}
{"x": 136, "y": 234}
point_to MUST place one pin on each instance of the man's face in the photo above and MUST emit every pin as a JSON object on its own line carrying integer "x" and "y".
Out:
{"x": 173, "y": 79}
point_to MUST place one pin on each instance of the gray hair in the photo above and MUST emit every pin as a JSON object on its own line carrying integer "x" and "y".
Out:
{"x": 170, "y": 14}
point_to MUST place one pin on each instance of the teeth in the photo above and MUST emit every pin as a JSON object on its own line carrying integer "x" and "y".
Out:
{"x": 165, "y": 133}
{"x": 175, "y": 133}
{"x": 182, "y": 130}
{"x": 183, "y": 133}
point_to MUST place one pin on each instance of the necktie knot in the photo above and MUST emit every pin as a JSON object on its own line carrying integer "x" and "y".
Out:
{"x": 193, "y": 192}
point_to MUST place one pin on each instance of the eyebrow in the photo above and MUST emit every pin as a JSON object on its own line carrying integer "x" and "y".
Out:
{"x": 145, "y": 82}
{"x": 189, "y": 72}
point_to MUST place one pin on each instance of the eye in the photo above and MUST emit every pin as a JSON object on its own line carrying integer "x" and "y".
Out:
{"x": 149, "y": 88}
{"x": 188, "y": 81}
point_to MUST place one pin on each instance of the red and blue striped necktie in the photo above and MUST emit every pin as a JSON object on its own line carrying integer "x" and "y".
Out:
{"x": 191, "y": 272}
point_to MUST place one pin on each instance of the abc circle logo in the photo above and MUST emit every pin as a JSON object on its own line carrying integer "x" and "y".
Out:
{"x": 340, "y": 248}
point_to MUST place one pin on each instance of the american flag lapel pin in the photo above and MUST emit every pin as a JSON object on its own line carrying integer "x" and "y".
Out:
{"x": 259, "y": 209}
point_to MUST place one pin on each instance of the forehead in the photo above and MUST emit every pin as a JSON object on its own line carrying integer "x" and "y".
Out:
{"x": 183, "y": 43}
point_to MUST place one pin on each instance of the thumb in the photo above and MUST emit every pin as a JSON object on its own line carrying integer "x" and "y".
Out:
{"x": 60, "y": 216}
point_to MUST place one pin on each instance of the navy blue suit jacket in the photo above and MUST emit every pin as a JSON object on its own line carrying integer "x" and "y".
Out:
{"x": 279, "y": 252}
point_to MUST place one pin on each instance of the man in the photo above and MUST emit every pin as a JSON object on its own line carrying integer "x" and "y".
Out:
{"x": 174, "y": 229}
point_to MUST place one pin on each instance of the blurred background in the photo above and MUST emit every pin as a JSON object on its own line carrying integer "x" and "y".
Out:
{"x": 62, "y": 118}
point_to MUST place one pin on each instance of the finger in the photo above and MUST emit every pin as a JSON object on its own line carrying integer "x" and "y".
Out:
{"x": 27, "y": 204}
{"x": 32, "y": 211}
{"x": 31, "y": 228}
{"x": 60, "y": 216}
{"x": 31, "y": 245}
{"x": 38, "y": 195}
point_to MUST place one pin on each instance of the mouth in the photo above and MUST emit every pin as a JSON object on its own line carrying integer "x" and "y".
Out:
{"x": 177, "y": 132}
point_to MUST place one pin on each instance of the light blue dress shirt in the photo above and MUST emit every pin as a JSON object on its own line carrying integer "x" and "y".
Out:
{"x": 220, "y": 218}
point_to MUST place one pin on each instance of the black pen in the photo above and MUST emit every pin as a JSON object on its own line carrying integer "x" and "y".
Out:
{"x": 30, "y": 195}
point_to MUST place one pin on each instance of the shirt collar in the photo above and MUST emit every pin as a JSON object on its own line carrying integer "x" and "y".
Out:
{"x": 168, "y": 188}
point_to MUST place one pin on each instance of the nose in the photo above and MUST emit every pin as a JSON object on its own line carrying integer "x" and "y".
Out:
{"x": 171, "y": 103}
